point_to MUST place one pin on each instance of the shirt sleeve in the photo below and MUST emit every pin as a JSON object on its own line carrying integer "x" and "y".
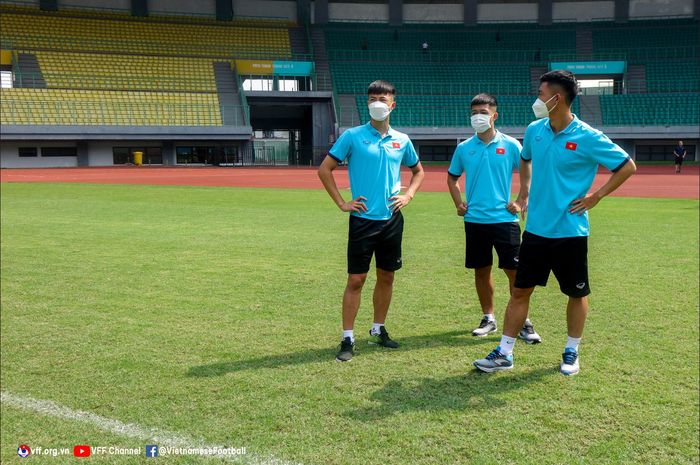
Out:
{"x": 342, "y": 148}
{"x": 607, "y": 153}
{"x": 517, "y": 150}
{"x": 410, "y": 157}
{"x": 525, "y": 152}
{"x": 456, "y": 168}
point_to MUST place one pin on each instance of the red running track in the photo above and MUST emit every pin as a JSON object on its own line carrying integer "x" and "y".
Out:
{"x": 649, "y": 181}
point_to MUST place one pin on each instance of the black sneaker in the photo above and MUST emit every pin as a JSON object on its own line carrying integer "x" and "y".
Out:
{"x": 382, "y": 339}
{"x": 485, "y": 328}
{"x": 346, "y": 350}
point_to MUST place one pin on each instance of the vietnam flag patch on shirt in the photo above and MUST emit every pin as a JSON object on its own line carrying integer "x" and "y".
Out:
{"x": 570, "y": 146}
{"x": 501, "y": 151}
{"x": 396, "y": 145}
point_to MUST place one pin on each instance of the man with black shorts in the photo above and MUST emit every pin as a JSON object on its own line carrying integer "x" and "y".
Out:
{"x": 561, "y": 155}
{"x": 374, "y": 153}
{"x": 679, "y": 155}
{"x": 490, "y": 218}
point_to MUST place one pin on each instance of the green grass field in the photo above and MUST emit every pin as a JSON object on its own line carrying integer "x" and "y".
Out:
{"x": 215, "y": 313}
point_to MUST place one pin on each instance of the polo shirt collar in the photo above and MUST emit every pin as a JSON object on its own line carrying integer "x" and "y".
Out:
{"x": 568, "y": 129}
{"x": 390, "y": 133}
{"x": 497, "y": 138}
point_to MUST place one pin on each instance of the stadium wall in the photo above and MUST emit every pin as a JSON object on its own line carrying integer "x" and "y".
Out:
{"x": 645, "y": 8}
{"x": 353, "y": 12}
{"x": 582, "y": 11}
{"x": 260, "y": 8}
{"x": 198, "y": 7}
{"x": 9, "y": 157}
{"x": 490, "y": 12}
{"x": 493, "y": 12}
{"x": 265, "y": 8}
{"x": 96, "y": 152}
{"x": 436, "y": 13}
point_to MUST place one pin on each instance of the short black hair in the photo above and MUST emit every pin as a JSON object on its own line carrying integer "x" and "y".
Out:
{"x": 484, "y": 99}
{"x": 564, "y": 79}
{"x": 380, "y": 87}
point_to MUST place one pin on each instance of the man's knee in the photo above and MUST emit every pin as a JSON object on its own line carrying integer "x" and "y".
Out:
{"x": 483, "y": 273}
{"x": 356, "y": 281}
{"x": 522, "y": 295}
{"x": 385, "y": 277}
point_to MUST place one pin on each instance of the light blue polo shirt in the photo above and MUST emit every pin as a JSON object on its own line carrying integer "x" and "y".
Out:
{"x": 489, "y": 171}
{"x": 374, "y": 166}
{"x": 564, "y": 166}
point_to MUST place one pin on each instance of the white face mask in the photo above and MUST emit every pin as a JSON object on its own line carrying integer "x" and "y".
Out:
{"x": 481, "y": 123}
{"x": 379, "y": 111}
{"x": 539, "y": 108}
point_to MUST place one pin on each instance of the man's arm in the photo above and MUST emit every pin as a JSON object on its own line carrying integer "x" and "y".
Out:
{"x": 456, "y": 193}
{"x": 519, "y": 205}
{"x": 325, "y": 173}
{"x": 401, "y": 200}
{"x": 616, "y": 180}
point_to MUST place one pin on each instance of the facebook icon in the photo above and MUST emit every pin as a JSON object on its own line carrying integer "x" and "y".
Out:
{"x": 151, "y": 451}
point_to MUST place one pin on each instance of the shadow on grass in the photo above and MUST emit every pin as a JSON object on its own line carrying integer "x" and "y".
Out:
{"x": 473, "y": 390}
{"x": 447, "y": 339}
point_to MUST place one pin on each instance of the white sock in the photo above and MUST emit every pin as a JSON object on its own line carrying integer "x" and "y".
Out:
{"x": 572, "y": 342}
{"x": 489, "y": 316}
{"x": 375, "y": 328}
{"x": 349, "y": 333}
{"x": 506, "y": 345}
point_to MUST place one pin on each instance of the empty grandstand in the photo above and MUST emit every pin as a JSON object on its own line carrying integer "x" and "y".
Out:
{"x": 234, "y": 82}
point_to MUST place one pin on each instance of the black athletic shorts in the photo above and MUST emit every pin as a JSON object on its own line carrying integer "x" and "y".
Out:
{"x": 679, "y": 161}
{"x": 483, "y": 238}
{"x": 381, "y": 238}
{"x": 567, "y": 257}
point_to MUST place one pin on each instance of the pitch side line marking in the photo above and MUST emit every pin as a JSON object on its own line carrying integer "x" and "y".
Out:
{"x": 131, "y": 430}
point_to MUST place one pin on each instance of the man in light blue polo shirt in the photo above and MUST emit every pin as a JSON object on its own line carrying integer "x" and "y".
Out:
{"x": 560, "y": 158}
{"x": 374, "y": 153}
{"x": 490, "y": 218}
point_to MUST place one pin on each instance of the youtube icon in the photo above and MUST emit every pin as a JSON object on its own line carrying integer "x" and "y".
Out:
{"x": 81, "y": 451}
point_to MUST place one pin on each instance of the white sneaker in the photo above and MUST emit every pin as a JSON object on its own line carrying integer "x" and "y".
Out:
{"x": 569, "y": 363}
{"x": 485, "y": 328}
{"x": 495, "y": 361}
{"x": 528, "y": 334}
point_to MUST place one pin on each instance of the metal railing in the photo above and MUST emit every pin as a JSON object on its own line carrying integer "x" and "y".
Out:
{"x": 33, "y": 112}
{"x": 466, "y": 87}
{"x": 516, "y": 87}
{"x": 457, "y": 116}
{"x": 244, "y": 99}
{"x": 114, "y": 82}
{"x": 148, "y": 47}
{"x": 267, "y": 83}
{"x": 637, "y": 54}
{"x": 312, "y": 83}
{"x": 531, "y": 57}
{"x": 407, "y": 116}
{"x": 437, "y": 56}
{"x": 125, "y": 13}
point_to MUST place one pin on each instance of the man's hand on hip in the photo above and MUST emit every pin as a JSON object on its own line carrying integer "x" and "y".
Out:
{"x": 355, "y": 205}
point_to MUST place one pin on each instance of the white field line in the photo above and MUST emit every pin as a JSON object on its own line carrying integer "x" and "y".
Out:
{"x": 131, "y": 430}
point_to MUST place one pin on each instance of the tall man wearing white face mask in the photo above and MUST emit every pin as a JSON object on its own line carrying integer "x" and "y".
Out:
{"x": 374, "y": 153}
{"x": 490, "y": 218}
{"x": 561, "y": 155}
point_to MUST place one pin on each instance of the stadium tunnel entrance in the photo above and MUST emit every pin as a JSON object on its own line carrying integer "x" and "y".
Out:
{"x": 290, "y": 130}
